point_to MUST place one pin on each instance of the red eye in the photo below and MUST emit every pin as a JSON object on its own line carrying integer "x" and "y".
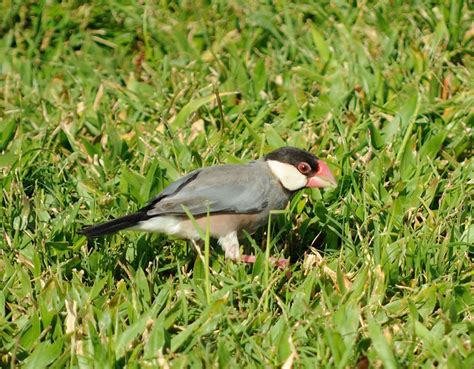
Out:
{"x": 304, "y": 167}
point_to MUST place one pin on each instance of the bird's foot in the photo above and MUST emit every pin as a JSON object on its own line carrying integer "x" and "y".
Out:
{"x": 248, "y": 259}
{"x": 280, "y": 263}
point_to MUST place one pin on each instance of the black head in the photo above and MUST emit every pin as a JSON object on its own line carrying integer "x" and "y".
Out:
{"x": 305, "y": 162}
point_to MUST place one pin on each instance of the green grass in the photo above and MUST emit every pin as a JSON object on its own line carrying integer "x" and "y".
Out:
{"x": 102, "y": 105}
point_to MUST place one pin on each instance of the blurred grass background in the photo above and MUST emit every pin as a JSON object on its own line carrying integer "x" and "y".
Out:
{"x": 103, "y": 103}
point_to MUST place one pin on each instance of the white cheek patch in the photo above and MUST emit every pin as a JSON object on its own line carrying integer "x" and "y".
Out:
{"x": 288, "y": 175}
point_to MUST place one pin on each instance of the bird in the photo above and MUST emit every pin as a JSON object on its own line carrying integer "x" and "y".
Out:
{"x": 228, "y": 199}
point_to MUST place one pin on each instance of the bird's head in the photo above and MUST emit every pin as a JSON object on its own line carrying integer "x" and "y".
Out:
{"x": 297, "y": 169}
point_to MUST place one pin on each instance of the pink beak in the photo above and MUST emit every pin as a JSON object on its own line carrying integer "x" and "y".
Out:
{"x": 323, "y": 177}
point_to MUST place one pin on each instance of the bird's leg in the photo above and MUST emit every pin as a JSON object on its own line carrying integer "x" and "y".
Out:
{"x": 280, "y": 263}
{"x": 230, "y": 245}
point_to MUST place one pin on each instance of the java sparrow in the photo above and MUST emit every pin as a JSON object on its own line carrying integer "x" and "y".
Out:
{"x": 236, "y": 197}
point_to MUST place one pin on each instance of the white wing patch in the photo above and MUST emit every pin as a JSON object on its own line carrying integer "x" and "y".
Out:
{"x": 288, "y": 175}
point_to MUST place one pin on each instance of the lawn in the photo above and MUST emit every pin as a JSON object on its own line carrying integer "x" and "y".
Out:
{"x": 103, "y": 104}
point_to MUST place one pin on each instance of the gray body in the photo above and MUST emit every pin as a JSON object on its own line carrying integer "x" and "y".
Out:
{"x": 226, "y": 189}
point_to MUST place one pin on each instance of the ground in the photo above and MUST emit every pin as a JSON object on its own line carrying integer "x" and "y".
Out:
{"x": 102, "y": 104}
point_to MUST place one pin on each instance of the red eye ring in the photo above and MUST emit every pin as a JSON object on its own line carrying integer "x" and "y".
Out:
{"x": 304, "y": 168}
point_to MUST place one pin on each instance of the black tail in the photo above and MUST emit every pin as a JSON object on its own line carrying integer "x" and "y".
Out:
{"x": 114, "y": 225}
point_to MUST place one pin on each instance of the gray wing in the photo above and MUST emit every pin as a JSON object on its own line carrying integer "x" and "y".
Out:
{"x": 221, "y": 189}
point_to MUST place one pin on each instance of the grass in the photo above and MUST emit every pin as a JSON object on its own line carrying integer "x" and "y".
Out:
{"x": 103, "y": 104}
